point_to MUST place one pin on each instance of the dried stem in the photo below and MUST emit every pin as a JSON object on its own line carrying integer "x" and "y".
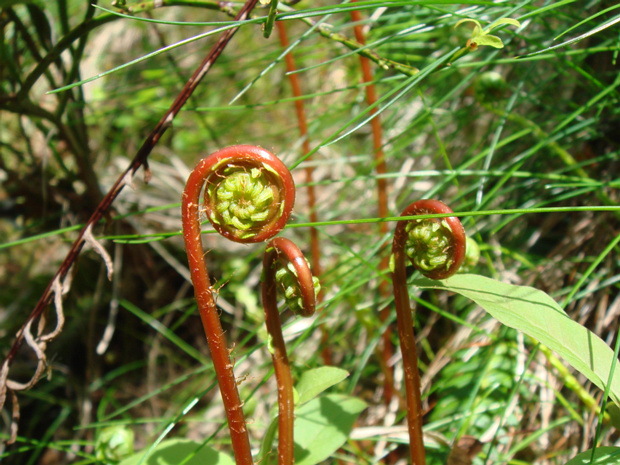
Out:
{"x": 139, "y": 160}
{"x": 286, "y": 253}
{"x": 249, "y": 196}
{"x": 421, "y": 238}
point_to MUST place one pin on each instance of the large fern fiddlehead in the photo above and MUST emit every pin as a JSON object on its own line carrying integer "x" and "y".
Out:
{"x": 248, "y": 197}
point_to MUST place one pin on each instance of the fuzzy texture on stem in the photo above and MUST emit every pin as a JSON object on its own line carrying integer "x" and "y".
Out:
{"x": 436, "y": 247}
{"x": 250, "y": 169}
{"x": 285, "y": 267}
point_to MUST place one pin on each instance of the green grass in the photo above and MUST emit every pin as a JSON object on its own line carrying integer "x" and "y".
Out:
{"x": 531, "y": 168}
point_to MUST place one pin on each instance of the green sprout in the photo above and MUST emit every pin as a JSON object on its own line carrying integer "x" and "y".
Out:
{"x": 286, "y": 277}
{"x": 480, "y": 36}
{"x": 428, "y": 244}
{"x": 114, "y": 443}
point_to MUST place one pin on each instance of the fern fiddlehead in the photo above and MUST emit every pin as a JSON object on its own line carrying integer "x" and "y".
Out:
{"x": 248, "y": 197}
{"x": 285, "y": 267}
{"x": 436, "y": 248}
{"x": 249, "y": 193}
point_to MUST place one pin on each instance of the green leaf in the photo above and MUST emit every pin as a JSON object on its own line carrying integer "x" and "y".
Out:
{"x": 323, "y": 425}
{"x": 477, "y": 28}
{"x": 180, "y": 451}
{"x": 41, "y": 25}
{"x": 587, "y": 20}
{"x": 142, "y": 58}
{"x": 502, "y": 21}
{"x": 540, "y": 317}
{"x": 313, "y": 382}
{"x": 602, "y": 456}
{"x": 268, "y": 438}
{"x": 492, "y": 41}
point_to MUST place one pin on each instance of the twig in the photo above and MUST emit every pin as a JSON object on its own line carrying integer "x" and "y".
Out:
{"x": 139, "y": 160}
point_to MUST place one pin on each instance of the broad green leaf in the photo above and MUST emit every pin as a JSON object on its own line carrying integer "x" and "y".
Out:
{"x": 180, "y": 451}
{"x": 539, "y": 316}
{"x": 492, "y": 41}
{"x": 323, "y": 425}
{"x": 313, "y": 382}
{"x": 602, "y": 456}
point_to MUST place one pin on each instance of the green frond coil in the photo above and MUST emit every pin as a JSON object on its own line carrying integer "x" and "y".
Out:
{"x": 244, "y": 199}
{"x": 286, "y": 277}
{"x": 428, "y": 244}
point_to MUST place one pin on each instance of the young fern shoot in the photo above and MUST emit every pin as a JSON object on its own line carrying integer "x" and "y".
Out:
{"x": 248, "y": 197}
{"x": 286, "y": 267}
{"x": 436, "y": 248}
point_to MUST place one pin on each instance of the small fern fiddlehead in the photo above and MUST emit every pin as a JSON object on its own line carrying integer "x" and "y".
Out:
{"x": 297, "y": 296}
{"x": 285, "y": 267}
{"x": 436, "y": 248}
{"x": 248, "y": 197}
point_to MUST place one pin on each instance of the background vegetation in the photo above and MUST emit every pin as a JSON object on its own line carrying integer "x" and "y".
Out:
{"x": 540, "y": 131}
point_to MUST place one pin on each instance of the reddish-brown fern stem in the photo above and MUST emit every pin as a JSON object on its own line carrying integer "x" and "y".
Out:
{"x": 303, "y": 132}
{"x": 436, "y": 247}
{"x": 139, "y": 160}
{"x": 377, "y": 135}
{"x": 315, "y": 248}
{"x": 285, "y": 252}
{"x": 249, "y": 196}
{"x": 382, "y": 202}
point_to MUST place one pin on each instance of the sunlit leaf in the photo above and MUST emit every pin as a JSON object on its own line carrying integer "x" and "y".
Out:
{"x": 602, "y": 456}
{"x": 313, "y": 382}
{"x": 175, "y": 451}
{"x": 596, "y": 30}
{"x": 502, "y": 21}
{"x": 539, "y": 316}
{"x": 477, "y": 28}
{"x": 323, "y": 425}
{"x": 491, "y": 41}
